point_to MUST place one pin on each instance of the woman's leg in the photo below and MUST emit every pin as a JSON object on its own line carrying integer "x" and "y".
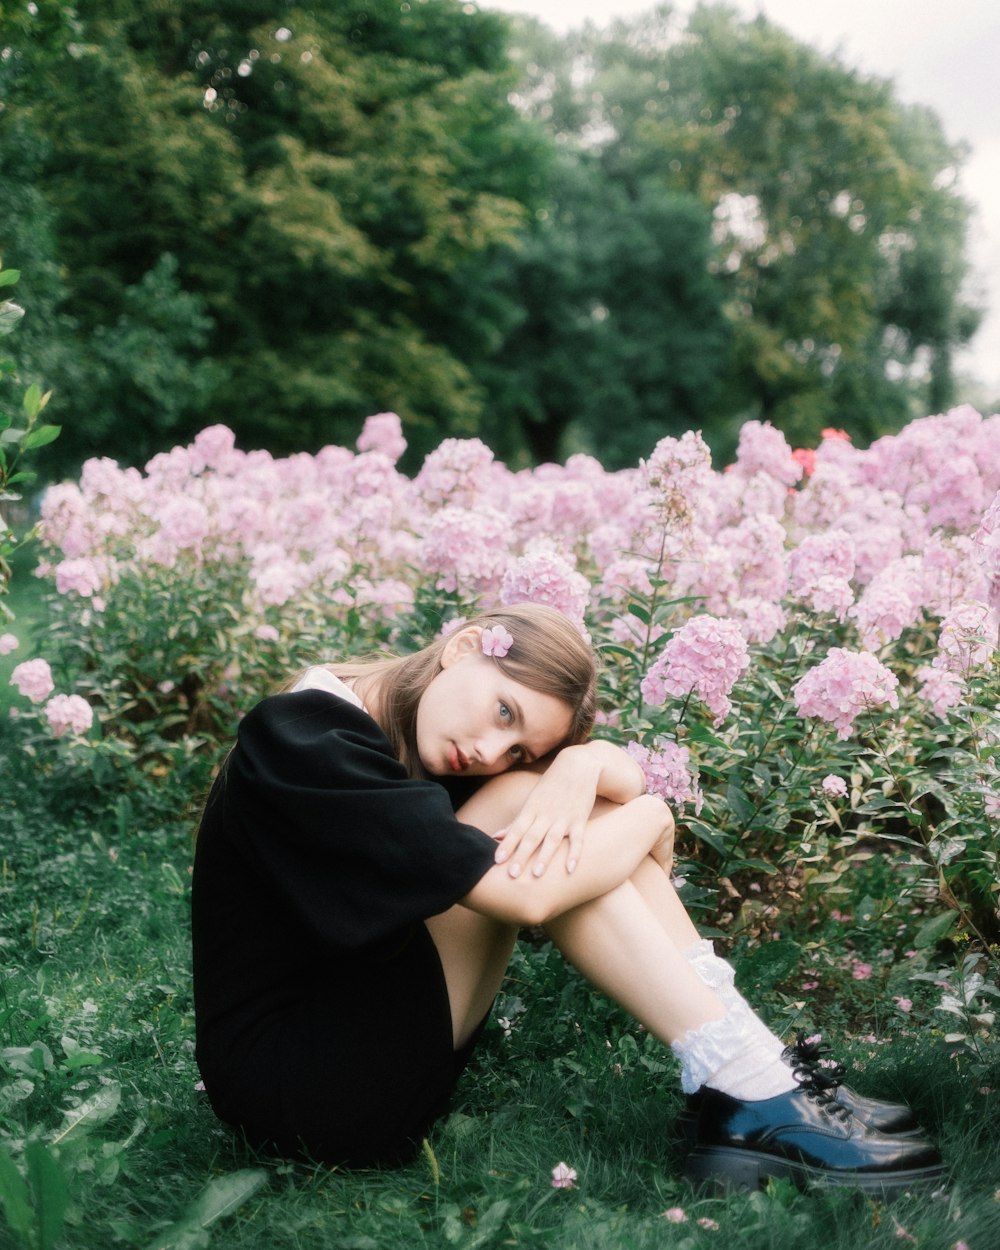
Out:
{"x": 474, "y": 949}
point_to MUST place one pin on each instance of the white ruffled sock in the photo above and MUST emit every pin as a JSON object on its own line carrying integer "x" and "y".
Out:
{"x": 738, "y": 1055}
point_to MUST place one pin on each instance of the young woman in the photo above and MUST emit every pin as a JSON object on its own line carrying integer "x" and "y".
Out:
{"x": 351, "y": 930}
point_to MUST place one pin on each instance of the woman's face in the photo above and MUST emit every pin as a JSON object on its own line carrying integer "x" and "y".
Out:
{"x": 473, "y": 721}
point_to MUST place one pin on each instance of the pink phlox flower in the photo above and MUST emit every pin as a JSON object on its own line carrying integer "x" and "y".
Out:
{"x": 668, "y": 773}
{"x": 830, "y": 554}
{"x": 675, "y": 1215}
{"x": 704, "y": 657}
{"x": 759, "y": 620}
{"x": 8, "y": 643}
{"x": 806, "y": 457}
{"x": 904, "y": 1004}
{"x": 625, "y": 576}
{"x": 860, "y": 971}
{"x": 33, "y": 679}
{"x": 706, "y": 1221}
{"x": 266, "y": 633}
{"x": 757, "y": 548}
{"x": 832, "y": 594}
{"x": 213, "y": 448}
{"x": 676, "y": 477}
{"x": 834, "y": 786}
{"x": 84, "y": 576}
{"x": 276, "y": 581}
{"x": 68, "y": 713}
{"x": 457, "y": 471}
{"x": 183, "y": 522}
{"x": 987, "y": 543}
{"x": 890, "y": 603}
{"x": 951, "y": 571}
{"x": 466, "y": 550}
{"x": 383, "y": 432}
{"x": 764, "y": 449}
{"x": 940, "y": 686}
{"x": 390, "y": 594}
{"x": 842, "y": 686}
{"x": 543, "y": 575}
{"x": 563, "y": 1176}
{"x": 968, "y": 636}
{"x": 496, "y": 641}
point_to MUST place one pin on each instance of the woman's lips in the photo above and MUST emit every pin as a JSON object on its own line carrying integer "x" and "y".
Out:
{"x": 458, "y": 761}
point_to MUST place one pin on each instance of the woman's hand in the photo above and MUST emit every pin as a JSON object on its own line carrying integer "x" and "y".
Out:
{"x": 560, "y": 805}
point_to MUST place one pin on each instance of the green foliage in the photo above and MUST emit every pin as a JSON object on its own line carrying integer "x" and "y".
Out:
{"x": 296, "y": 216}
{"x": 21, "y": 431}
{"x": 839, "y": 229}
{"x": 617, "y": 313}
{"x": 328, "y": 182}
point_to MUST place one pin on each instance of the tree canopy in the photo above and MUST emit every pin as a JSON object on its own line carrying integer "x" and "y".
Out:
{"x": 287, "y": 217}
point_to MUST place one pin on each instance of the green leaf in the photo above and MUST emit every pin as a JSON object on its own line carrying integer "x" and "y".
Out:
{"x": 709, "y": 836}
{"x": 32, "y": 401}
{"x": 637, "y": 610}
{"x": 12, "y": 435}
{"x": 40, "y": 436}
{"x": 741, "y": 806}
{"x": 91, "y": 1113}
{"x": 10, "y": 315}
{"x": 14, "y": 1197}
{"x": 9, "y": 276}
{"x": 933, "y": 930}
{"x": 219, "y": 1198}
{"x": 50, "y": 1193}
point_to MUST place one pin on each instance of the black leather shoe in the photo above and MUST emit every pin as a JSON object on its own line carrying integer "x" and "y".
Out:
{"x": 807, "y": 1137}
{"x": 809, "y": 1060}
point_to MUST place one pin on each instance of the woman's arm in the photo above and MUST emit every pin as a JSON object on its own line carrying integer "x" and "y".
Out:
{"x": 619, "y": 838}
{"x": 560, "y": 805}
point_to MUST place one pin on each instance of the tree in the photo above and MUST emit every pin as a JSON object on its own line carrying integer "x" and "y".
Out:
{"x": 329, "y": 179}
{"x": 839, "y": 234}
{"x": 621, "y": 336}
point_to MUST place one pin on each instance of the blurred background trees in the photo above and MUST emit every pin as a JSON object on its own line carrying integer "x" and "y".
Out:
{"x": 287, "y": 217}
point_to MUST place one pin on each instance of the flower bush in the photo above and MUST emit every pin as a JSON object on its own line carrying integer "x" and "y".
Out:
{"x": 801, "y": 650}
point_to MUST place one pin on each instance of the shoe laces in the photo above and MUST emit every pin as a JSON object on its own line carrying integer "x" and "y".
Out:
{"x": 819, "y": 1082}
{"x": 811, "y": 1055}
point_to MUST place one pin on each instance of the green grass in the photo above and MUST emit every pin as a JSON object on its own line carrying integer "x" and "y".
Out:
{"x": 96, "y": 1013}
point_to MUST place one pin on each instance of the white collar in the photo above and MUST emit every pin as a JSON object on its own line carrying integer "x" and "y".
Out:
{"x": 322, "y": 679}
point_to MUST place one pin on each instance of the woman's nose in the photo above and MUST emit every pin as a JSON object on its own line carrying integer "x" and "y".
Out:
{"x": 493, "y": 748}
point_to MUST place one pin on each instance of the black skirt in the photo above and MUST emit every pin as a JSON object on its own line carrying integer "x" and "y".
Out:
{"x": 356, "y": 1073}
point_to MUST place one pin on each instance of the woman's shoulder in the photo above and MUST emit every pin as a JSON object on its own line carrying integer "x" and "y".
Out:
{"x": 308, "y": 720}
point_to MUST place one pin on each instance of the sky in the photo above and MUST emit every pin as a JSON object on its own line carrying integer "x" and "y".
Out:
{"x": 941, "y": 55}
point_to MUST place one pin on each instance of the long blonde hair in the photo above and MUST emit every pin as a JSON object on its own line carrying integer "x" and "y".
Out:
{"x": 548, "y": 654}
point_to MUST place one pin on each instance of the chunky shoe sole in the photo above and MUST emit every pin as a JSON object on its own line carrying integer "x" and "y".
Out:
{"x": 734, "y": 1168}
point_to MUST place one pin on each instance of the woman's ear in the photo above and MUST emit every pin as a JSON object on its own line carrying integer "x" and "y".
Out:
{"x": 463, "y": 642}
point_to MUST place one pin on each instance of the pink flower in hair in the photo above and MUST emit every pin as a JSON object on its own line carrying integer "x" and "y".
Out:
{"x": 496, "y": 641}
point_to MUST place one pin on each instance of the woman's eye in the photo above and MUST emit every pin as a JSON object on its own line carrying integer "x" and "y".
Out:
{"x": 505, "y": 712}
{"x": 517, "y": 754}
